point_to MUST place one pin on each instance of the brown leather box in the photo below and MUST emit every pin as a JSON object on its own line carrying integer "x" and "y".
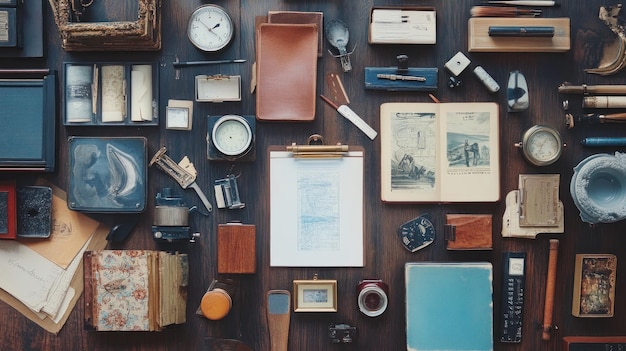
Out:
{"x": 468, "y": 231}
{"x": 236, "y": 248}
{"x": 286, "y": 72}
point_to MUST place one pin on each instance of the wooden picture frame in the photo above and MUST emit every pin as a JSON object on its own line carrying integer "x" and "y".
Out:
{"x": 143, "y": 34}
{"x": 315, "y": 295}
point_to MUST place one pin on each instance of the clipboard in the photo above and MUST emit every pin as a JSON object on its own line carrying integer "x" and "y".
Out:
{"x": 316, "y": 205}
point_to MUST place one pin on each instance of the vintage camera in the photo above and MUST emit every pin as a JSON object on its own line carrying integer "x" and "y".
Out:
{"x": 372, "y": 297}
{"x": 341, "y": 333}
{"x": 171, "y": 218}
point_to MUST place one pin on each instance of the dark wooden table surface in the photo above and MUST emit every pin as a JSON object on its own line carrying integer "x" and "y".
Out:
{"x": 385, "y": 256}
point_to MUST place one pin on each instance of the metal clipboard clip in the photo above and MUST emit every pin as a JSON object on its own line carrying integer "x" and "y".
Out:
{"x": 315, "y": 148}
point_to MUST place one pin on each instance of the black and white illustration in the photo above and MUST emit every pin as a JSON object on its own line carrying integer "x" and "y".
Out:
{"x": 415, "y": 141}
{"x": 413, "y": 146}
{"x": 467, "y": 139}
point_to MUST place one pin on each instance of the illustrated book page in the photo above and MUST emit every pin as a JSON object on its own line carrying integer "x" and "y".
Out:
{"x": 440, "y": 152}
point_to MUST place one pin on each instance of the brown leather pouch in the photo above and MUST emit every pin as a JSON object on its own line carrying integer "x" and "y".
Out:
{"x": 286, "y": 72}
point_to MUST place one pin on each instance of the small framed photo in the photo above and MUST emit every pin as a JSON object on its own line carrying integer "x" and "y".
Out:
{"x": 179, "y": 114}
{"x": 315, "y": 295}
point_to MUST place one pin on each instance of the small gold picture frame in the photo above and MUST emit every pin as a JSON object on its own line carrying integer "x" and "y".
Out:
{"x": 315, "y": 295}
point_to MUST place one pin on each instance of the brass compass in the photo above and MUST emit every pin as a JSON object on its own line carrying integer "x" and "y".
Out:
{"x": 541, "y": 145}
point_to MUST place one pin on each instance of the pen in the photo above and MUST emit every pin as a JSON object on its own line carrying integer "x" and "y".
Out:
{"x": 535, "y": 3}
{"x": 351, "y": 116}
{"x": 200, "y": 63}
{"x": 603, "y": 141}
{"x": 521, "y": 31}
{"x": 400, "y": 77}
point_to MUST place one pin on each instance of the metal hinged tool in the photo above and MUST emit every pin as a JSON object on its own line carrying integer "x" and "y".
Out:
{"x": 184, "y": 174}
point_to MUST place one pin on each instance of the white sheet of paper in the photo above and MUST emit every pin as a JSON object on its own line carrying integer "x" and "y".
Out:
{"x": 58, "y": 294}
{"x": 65, "y": 305}
{"x": 27, "y": 276}
{"x": 316, "y": 215}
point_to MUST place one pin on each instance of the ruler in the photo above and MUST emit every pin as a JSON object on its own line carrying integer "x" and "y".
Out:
{"x": 514, "y": 264}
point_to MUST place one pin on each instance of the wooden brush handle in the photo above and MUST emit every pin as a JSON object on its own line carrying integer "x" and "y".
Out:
{"x": 278, "y": 317}
{"x": 550, "y": 283}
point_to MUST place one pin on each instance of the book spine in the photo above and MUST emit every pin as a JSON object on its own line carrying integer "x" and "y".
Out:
{"x": 90, "y": 304}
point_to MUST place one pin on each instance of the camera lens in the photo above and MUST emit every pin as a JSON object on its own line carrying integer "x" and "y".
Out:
{"x": 372, "y": 299}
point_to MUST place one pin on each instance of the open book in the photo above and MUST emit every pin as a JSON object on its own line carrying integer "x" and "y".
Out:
{"x": 446, "y": 152}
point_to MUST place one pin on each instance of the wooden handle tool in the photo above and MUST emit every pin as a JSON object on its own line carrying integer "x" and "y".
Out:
{"x": 278, "y": 317}
{"x": 550, "y": 284}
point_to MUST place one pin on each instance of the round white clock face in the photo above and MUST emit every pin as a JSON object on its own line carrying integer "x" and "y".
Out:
{"x": 232, "y": 135}
{"x": 210, "y": 28}
{"x": 542, "y": 145}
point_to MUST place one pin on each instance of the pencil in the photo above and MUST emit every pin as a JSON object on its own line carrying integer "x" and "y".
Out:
{"x": 503, "y": 11}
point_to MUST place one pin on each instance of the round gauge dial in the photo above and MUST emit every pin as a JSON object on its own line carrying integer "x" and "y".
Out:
{"x": 417, "y": 233}
{"x": 210, "y": 28}
{"x": 232, "y": 135}
{"x": 541, "y": 145}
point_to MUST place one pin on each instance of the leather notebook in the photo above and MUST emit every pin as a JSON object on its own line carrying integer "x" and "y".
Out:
{"x": 301, "y": 17}
{"x": 286, "y": 72}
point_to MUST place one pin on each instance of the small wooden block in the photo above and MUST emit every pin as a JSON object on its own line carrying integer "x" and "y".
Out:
{"x": 236, "y": 248}
{"x": 471, "y": 231}
{"x": 480, "y": 41}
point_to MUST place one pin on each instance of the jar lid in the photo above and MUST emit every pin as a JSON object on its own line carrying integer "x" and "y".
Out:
{"x": 216, "y": 304}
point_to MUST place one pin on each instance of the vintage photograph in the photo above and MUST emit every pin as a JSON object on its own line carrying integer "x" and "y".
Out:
{"x": 315, "y": 295}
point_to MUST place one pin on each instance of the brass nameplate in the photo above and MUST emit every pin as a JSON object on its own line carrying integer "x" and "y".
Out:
{"x": 539, "y": 200}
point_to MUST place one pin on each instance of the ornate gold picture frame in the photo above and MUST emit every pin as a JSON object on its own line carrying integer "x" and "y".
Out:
{"x": 315, "y": 295}
{"x": 144, "y": 34}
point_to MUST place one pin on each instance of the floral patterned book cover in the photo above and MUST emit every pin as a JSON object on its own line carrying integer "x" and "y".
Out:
{"x": 125, "y": 289}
